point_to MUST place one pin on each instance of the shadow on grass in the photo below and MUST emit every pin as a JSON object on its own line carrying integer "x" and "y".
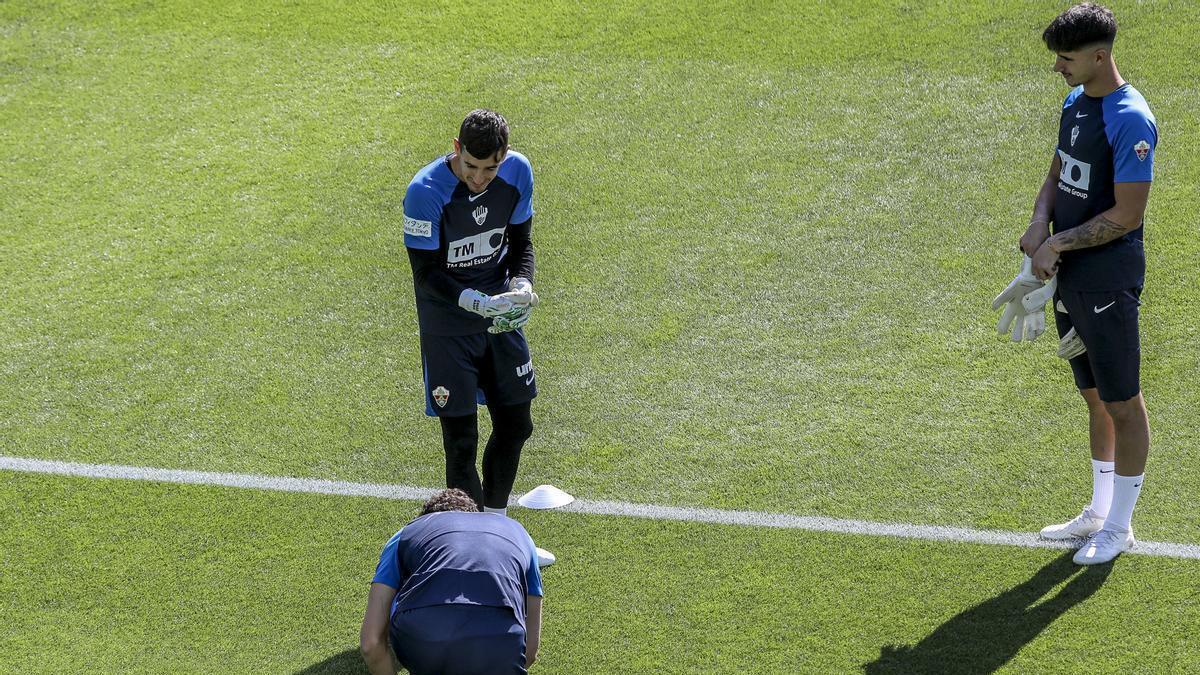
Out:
{"x": 984, "y": 637}
{"x": 349, "y": 662}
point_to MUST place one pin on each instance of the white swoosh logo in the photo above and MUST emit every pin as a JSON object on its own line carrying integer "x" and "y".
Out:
{"x": 1101, "y": 309}
{"x": 474, "y": 197}
{"x": 529, "y": 381}
{"x": 1079, "y": 114}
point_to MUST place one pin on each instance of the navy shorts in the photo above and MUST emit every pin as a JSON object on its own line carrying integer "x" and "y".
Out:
{"x": 458, "y": 640}
{"x": 1107, "y": 322}
{"x": 466, "y": 371}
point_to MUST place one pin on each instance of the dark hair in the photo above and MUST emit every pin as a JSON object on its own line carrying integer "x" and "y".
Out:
{"x": 1080, "y": 26}
{"x": 449, "y": 500}
{"x": 484, "y": 133}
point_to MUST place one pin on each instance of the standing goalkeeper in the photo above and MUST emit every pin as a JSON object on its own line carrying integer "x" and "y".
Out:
{"x": 467, "y": 222}
{"x": 1096, "y": 194}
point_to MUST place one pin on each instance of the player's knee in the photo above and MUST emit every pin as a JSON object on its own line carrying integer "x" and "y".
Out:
{"x": 1092, "y": 398}
{"x": 460, "y": 437}
{"x": 518, "y": 429}
{"x": 1128, "y": 411}
{"x": 513, "y": 423}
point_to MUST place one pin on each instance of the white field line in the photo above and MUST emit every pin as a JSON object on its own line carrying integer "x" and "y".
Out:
{"x": 692, "y": 515}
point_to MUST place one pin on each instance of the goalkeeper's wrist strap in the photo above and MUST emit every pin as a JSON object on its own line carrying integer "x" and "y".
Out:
{"x": 472, "y": 300}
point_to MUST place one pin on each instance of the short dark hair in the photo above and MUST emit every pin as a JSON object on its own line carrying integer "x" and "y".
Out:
{"x": 1080, "y": 26}
{"x": 484, "y": 133}
{"x": 452, "y": 499}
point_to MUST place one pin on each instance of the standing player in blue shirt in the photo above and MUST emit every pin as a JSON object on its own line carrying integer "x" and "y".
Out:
{"x": 1095, "y": 195}
{"x": 467, "y": 223}
{"x": 455, "y": 591}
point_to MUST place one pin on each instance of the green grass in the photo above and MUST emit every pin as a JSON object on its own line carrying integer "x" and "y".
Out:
{"x": 153, "y": 578}
{"x": 767, "y": 238}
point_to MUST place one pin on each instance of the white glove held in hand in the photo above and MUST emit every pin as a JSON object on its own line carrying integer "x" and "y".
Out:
{"x": 491, "y": 305}
{"x": 1024, "y": 325}
{"x": 1036, "y": 300}
{"x": 519, "y": 315}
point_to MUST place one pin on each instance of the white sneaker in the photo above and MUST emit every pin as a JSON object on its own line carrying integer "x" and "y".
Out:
{"x": 1082, "y": 525}
{"x": 1104, "y": 546}
{"x": 544, "y": 557}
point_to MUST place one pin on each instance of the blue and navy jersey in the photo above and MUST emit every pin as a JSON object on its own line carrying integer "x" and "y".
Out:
{"x": 461, "y": 558}
{"x": 1102, "y": 141}
{"x": 470, "y": 230}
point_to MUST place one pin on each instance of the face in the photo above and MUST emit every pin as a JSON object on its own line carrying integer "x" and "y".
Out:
{"x": 473, "y": 171}
{"x": 1078, "y": 67}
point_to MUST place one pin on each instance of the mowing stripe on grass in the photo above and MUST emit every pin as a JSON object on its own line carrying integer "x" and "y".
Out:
{"x": 695, "y": 515}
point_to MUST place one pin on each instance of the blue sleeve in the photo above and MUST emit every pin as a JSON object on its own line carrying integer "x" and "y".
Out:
{"x": 1072, "y": 96}
{"x": 387, "y": 572}
{"x": 422, "y": 216}
{"x": 1132, "y": 134}
{"x": 533, "y": 574}
{"x": 522, "y": 179}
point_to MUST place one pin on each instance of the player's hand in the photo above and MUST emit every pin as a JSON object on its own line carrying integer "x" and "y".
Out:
{"x": 1014, "y": 315}
{"x": 1045, "y": 261}
{"x": 523, "y": 290}
{"x": 511, "y": 321}
{"x": 1070, "y": 345}
{"x": 1035, "y": 235}
{"x": 519, "y": 316}
{"x": 490, "y": 306}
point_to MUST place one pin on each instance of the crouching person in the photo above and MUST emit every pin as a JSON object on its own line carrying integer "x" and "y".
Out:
{"x": 456, "y": 591}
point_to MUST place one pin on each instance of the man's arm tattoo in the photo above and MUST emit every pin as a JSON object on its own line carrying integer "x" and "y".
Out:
{"x": 1098, "y": 230}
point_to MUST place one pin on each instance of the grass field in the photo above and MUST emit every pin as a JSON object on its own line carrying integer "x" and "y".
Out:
{"x": 768, "y": 235}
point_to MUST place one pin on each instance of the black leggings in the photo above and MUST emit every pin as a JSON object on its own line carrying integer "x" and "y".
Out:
{"x": 512, "y": 425}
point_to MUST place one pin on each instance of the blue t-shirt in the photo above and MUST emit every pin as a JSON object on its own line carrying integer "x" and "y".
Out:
{"x": 469, "y": 231}
{"x": 1102, "y": 141}
{"x": 456, "y": 557}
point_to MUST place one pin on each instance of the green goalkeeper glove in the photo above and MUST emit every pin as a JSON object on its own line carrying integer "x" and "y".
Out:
{"x": 494, "y": 305}
{"x": 519, "y": 315}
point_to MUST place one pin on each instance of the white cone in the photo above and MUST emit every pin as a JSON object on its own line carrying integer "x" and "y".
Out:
{"x": 545, "y": 497}
{"x": 544, "y": 557}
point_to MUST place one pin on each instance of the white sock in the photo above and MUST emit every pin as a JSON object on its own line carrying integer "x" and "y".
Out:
{"x": 1125, "y": 493}
{"x": 503, "y": 511}
{"x": 1102, "y": 487}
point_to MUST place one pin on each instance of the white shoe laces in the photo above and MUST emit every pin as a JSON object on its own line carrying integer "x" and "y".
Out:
{"x": 1085, "y": 514}
{"x": 1106, "y": 538}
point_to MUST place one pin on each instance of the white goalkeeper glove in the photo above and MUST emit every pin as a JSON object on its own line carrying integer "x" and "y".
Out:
{"x": 490, "y": 306}
{"x": 1034, "y": 306}
{"x": 519, "y": 315}
{"x": 1070, "y": 345}
{"x": 1035, "y": 301}
{"x": 1024, "y": 325}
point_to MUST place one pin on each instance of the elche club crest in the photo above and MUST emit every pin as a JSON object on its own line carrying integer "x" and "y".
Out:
{"x": 1074, "y": 134}
{"x": 440, "y": 396}
{"x": 1142, "y": 149}
{"x": 480, "y": 214}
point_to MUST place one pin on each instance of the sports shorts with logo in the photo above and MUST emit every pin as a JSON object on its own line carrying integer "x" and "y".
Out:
{"x": 1107, "y": 322}
{"x": 465, "y": 371}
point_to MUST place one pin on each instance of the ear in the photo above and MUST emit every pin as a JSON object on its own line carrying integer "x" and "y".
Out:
{"x": 457, "y": 147}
